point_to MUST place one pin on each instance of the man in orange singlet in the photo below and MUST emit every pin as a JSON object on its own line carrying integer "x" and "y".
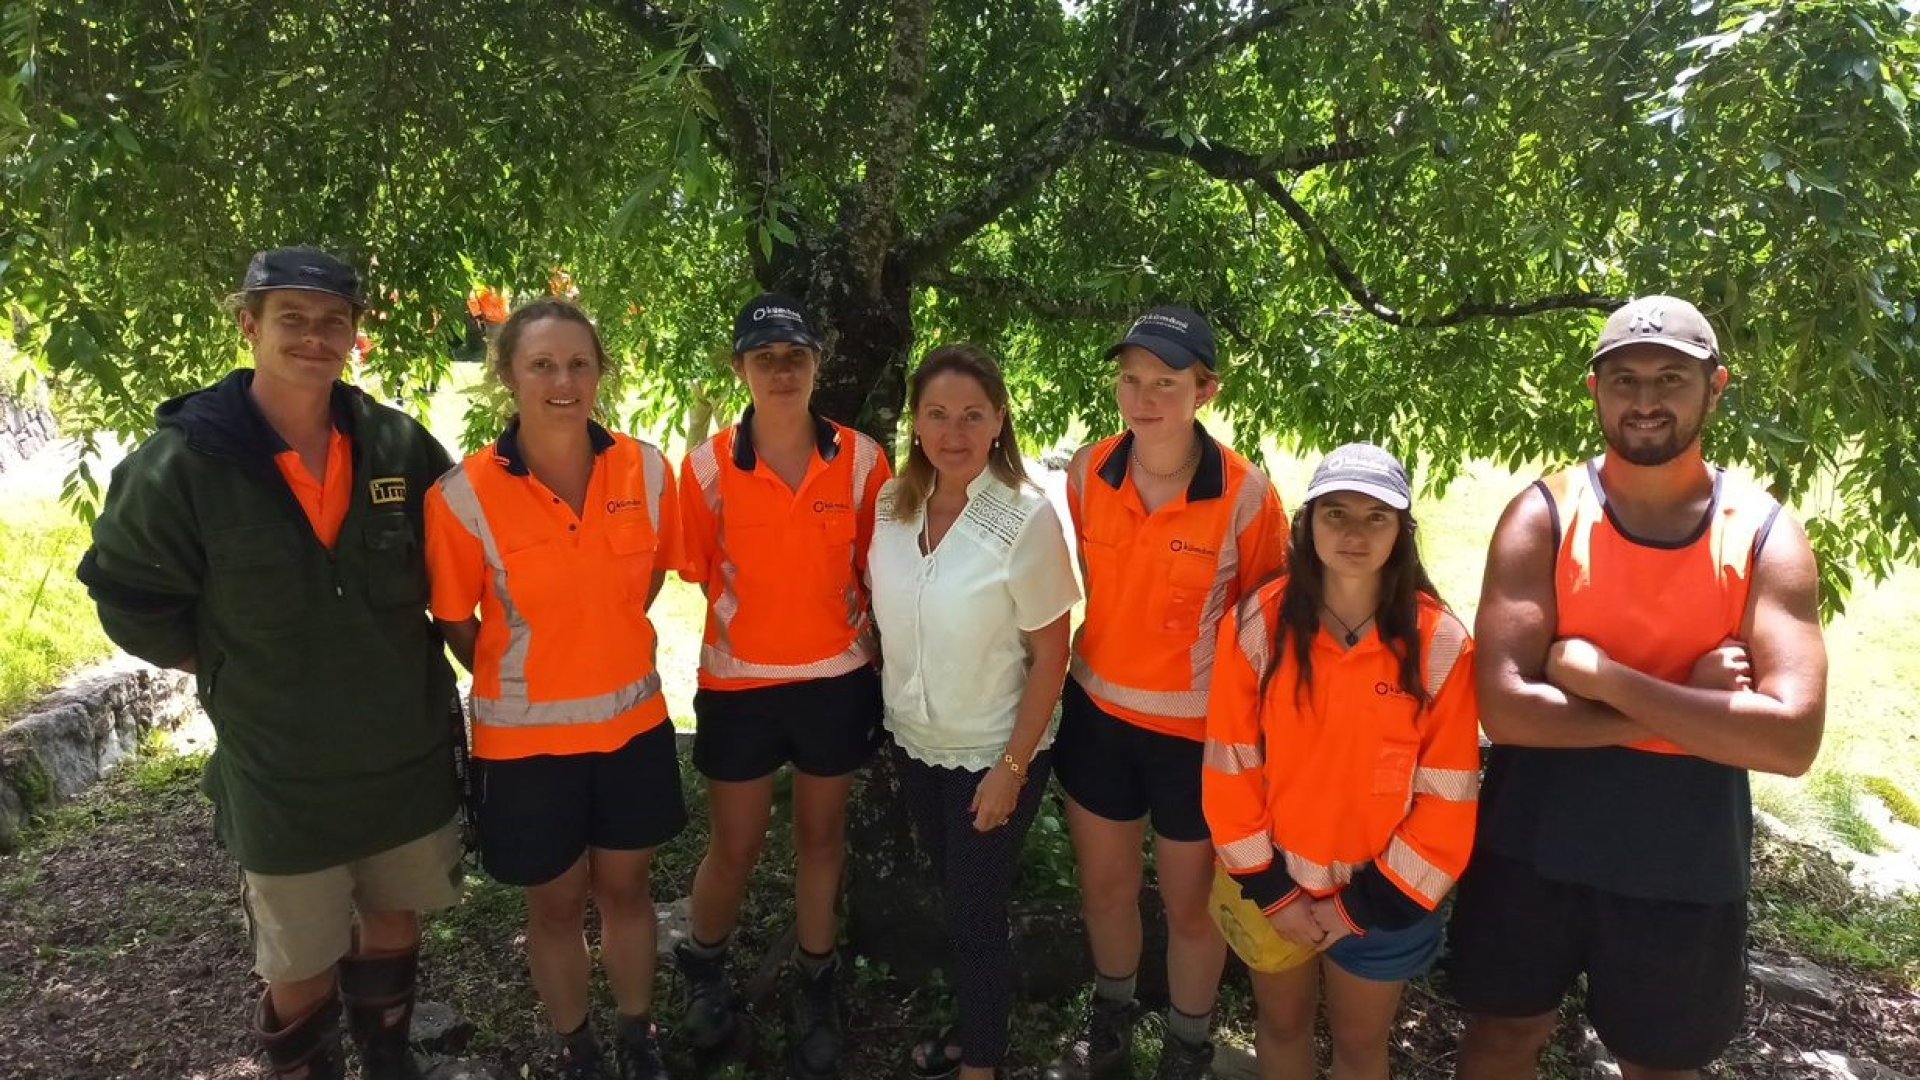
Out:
{"x": 1648, "y": 633}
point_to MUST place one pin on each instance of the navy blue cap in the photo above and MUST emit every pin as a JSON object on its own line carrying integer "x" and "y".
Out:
{"x": 1179, "y": 336}
{"x": 770, "y": 318}
{"x": 305, "y": 268}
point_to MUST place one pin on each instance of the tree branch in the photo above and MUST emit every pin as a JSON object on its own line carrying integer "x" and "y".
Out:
{"x": 1226, "y": 163}
{"x": 1097, "y": 112}
{"x": 876, "y": 219}
{"x": 1239, "y": 166}
{"x": 1028, "y": 296}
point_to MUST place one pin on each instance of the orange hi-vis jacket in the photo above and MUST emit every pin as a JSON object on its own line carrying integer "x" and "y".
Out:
{"x": 564, "y": 663}
{"x": 1159, "y": 584}
{"x": 781, "y": 568}
{"x": 1351, "y": 790}
{"x": 1622, "y": 594}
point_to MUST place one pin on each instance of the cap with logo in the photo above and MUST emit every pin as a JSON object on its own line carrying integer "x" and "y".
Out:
{"x": 1179, "y": 336}
{"x": 1659, "y": 320}
{"x": 305, "y": 268}
{"x": 1366, "y": 469}
{"x": 771, "y": 318}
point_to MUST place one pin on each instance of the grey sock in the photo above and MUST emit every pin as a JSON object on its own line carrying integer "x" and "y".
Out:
{"x": 1188, "y": 1028}
{"x": 1109, "y": 988}
{"x": 811, "y": 964}
{"x": 703, "y": 951}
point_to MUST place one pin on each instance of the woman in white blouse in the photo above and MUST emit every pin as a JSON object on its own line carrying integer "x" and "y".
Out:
{"x": 972, "y": 583}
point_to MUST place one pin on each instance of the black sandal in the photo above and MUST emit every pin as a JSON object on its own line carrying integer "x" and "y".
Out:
{"x": 941, "y": 1049}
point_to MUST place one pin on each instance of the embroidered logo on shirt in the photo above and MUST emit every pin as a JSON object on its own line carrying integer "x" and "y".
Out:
{"x": 387, "y": 490}
{"x": 615, "y": 506}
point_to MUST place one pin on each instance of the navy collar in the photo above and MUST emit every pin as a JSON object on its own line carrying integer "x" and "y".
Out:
{"x": 506, "y": 449}
{"x": 826, "y": 439}
{"x": 1209, "y": 477}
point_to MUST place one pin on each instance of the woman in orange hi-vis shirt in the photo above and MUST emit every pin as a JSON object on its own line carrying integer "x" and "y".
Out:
{"x": 1342, "y": 769}
{"x": 1172, "y": 527}
{"x": 560, "y": 532}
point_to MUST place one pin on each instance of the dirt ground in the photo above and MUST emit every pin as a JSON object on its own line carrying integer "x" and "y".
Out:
{"x": 123, "y": 954}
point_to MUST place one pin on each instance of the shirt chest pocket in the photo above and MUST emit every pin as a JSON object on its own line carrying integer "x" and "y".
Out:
{"x": 256, "y": 581}
{"x": 396, "y": 567}
{"x": 1187, "y": 583}
{"x": 631, "y": 550}
{"x": 836, "y": 533}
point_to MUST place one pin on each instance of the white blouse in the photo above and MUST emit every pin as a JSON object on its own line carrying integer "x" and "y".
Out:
{"x": 954, "y": 624}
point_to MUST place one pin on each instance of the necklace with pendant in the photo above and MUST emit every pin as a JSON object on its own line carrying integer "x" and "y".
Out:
{"x": 1352, "y": 632}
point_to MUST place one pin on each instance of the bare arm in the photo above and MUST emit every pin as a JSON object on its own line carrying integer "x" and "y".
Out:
{"x": 1514, "y": 631}
{"x": 460, "y": 638}
{"x": 1775, "y": 726}
{"x": 999, "y": 791}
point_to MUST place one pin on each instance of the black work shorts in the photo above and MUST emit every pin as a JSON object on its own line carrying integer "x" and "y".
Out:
{"x": 537, "y": 815}
{"x": 1666, "y": 980}
{"x": 1123, "y": 772}
{"x": 825, "y": 727}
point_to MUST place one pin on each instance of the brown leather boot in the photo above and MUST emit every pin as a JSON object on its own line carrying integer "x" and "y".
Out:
{"x": 306, "y": 1047}
{"x": 379, "y": 991}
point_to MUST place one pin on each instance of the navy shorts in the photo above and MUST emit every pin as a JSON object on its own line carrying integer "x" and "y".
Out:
{"x": 1123, "y": 772}
{"x": 538, "y": 815}
{"x": 1390, "y": 955}
{"x": 1666, "y": 980}
{"x": 825, "y": 727}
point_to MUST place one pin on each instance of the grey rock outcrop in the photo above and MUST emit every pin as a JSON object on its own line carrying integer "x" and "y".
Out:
{"x": 1797, "y": 982}
{"x": 25, "y": 427}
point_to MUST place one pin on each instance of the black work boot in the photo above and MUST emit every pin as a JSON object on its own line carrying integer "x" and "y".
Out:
{"x": 1182, "y": 1060}
{"x": 580, "y": 1057}
{"x": 1103, "y": 1049}
{"x": 636, "y": 1051}
{"x": 712, "y": 1016}
{"x": 304, "y": 1048}
{"x": 814, "y": 1039}
{"x": 379, "y": 990}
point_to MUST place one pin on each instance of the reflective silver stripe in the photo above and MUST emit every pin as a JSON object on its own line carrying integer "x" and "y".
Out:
{"x": 1176, "y": 704}
{"x": 1426, "y": 880}
{"x": 654, "y": 469}
{"x": 1247, "y": 853}
{"x": 866, "y": 454}
{"x": 1449, "y": 641}
{"x": 1453, "y": 785}
{"x": 1256, "y": 643}
{"x": 705, "y": 465}
{"x": 727, "y": 666}
{"x": 1226, "y": 574}
{"x": 464, "y": 501}
{"x": 1233, "y": 759}
{"x": 1077, "y": 496}
{"x": 1317, "y": 877}
{"x": 503, "y": 712}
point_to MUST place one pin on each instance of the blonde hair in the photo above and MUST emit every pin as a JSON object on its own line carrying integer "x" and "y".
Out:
{"x": 917, "y": 475}
{"x": 507, "y": 340}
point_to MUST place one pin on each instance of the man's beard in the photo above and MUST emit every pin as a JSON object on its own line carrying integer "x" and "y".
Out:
{"x": 1654, "y": 454}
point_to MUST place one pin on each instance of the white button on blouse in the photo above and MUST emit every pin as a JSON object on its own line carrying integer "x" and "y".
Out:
{"x": 954, "y": 624}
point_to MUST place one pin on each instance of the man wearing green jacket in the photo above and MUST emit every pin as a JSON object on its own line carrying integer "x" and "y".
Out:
{"x": 267, "y": 538}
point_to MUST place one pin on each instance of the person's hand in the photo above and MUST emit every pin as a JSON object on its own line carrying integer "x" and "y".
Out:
{"x": 1333, "y": 927}
{"x": 1295, "y": 923}
{"x": 995, "y": 797}
{"x": 1577, "y": 666}
{"x": 1724, "y": 667}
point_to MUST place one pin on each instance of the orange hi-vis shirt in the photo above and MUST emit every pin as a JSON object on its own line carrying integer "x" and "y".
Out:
{"x": 781, "y": 567}
{"x": 1353, "y": 789}
{"x": 1623, "y": 594}
{"x": 1158, "y": 584}
{"x": 564, "y": 663}
{"x": 324, "y": 502}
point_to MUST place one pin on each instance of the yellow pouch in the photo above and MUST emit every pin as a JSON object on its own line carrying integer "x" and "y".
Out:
{"x": 1252, "y": 938}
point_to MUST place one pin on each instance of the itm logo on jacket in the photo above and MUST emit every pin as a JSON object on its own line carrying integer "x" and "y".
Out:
{"x": 387, "y": 490}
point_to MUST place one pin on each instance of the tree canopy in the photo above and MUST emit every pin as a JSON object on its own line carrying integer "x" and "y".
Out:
{"x": 1405, "y": 219}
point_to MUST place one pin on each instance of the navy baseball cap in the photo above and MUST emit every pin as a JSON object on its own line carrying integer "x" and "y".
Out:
{"x": 770, "y": 318}
{"x": 1179, "y": 336}
{"x": 305, "y": 268}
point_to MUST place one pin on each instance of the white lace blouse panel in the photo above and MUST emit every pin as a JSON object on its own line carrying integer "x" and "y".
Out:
{"x": 954, "y": 624}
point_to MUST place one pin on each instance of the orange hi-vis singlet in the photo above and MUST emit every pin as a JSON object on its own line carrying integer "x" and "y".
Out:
{"x": 1655, "y": 607}
{"x": 1158, "y": 584}
{"x": 564, "y": 663}
{"x": 781, "y": 568}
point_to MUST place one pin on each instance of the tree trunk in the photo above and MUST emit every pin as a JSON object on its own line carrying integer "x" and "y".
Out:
{"x": 868, "y": 334}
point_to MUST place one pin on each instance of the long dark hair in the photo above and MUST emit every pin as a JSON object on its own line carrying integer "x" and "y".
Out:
{"x": 916, "y": 476}
{"x": 1402, "y": 580}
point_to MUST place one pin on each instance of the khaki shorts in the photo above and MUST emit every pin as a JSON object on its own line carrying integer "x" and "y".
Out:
{"x": 302, "y": 924}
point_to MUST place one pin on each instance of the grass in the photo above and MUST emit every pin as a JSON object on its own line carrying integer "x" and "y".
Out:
{"x": 1803, "y": 902}
{"x": 47, "y": 624}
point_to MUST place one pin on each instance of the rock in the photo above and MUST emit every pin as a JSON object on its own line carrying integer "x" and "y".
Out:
{"x": 1234, "y": 1063}
{"x": 1058, "y": 458}
{"x": 1839, "y": 1066}
{"x": 437, "y": 1029}
{"x": 671, "y": 925}
{"x": 1599, "y": 1061}
{"x": 1797, "y": 982}
{"x": 461, "y": 1069}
